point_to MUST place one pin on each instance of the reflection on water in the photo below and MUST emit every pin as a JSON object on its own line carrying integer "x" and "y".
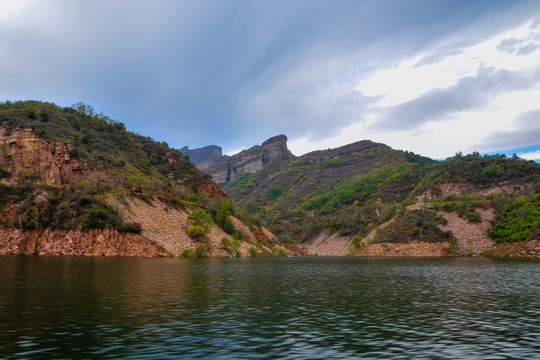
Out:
{"x": 310, "y": 308}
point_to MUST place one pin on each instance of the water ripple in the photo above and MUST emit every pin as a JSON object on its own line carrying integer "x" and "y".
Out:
{"x": 294, "y": 308}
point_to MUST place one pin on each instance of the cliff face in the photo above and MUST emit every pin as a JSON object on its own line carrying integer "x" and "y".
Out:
{"x": 24, "y": 152}
{"x": 210, "y": 153}
{"x": 225, "y": 169}
{"x": 75, "y": 242}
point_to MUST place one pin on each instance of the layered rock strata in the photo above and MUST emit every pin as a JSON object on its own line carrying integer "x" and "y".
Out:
{"x": 75, "y": 242}
{"x": 225, "y": 169}
{"x": 23, "y": 152}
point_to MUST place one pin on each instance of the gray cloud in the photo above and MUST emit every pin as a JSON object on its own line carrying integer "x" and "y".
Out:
{"x": 527, "y": 49}
{"x": 520, "y": 47}
{"x": 229, "y": 72}
{"x": 526, "y": 133}
{"x": 469, "y": 93}
{"x": 508, "y": 45}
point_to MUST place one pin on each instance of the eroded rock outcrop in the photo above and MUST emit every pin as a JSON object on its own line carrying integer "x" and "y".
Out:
{"x": 225, "y": 169}
{"x": 210, "y": 153}
{"x": 23, "y": 152}
{"x": 75, "y": 242}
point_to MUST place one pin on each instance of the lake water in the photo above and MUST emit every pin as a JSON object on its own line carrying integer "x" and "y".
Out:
{"x": 294, "y": 308}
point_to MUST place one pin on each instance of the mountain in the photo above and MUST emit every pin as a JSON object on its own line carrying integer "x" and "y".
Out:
{"x": 368, "y": 199}
{"x": 226, "y": 169}
{"x": 75, "y": 182}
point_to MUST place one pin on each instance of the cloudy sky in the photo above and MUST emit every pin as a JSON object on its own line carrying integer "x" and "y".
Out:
{"x": 433, "y": 77}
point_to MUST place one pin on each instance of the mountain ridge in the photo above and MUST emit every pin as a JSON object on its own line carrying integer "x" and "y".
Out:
{"x": 325, "y": 199}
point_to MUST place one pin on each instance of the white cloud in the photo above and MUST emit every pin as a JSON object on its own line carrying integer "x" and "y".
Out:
{"x": 508, "y": 87}
{"x": 534, "y": 155}
{"x": 408, "y": 80}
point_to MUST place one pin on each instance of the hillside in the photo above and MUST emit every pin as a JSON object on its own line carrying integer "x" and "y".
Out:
{"x": 76, "y": 182}
{"x": 368, "y": 199}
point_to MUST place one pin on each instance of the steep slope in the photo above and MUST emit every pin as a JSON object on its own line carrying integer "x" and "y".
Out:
{"x": 66, "y": 172}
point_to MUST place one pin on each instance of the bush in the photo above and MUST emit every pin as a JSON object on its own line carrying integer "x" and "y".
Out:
{"x": 196, "y": 231}
{"x": 201, "y": 250}
{"x": 74, "y": 153}
{"x": 453, "y": 247}
{"x": 357, "y": 242}
{"x": 273, "y": 192}
{"x": 231, "y": 245}
{"x": 187, "y": 253}
{"x": 253, "y": 252}
{"x": 199, "y": 217}
{"x": 223, "y": 216}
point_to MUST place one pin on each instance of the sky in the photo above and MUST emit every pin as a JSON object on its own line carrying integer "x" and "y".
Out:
{"x": 432, "y": 77}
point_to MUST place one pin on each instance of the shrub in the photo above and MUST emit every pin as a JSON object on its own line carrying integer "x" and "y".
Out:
{"x": 74, "y": 153}
{"x": 273, "y": 192}
{"x": 223, "y": 216}
{"x": 232, "y": 245}
{"x": 187, "y": 253}
{"x": 196, "y": 231}
{"x": 453, "y": 247}
{"x": 199, "y": 217}
{"x": 201, "y": 250}
{"x": 253, "y": 252}
{"x": 357, "y": 242}
{"x": 30, "y": 224}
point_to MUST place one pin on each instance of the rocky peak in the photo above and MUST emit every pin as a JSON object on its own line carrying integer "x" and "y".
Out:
{"x": 275, "y": 149}
{"x": 210, "y": 153}
{"x": 224, "y": 169}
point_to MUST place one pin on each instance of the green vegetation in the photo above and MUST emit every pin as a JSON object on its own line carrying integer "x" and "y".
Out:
{"x": 253, "y": 252}
{"x": 354, "y": 189}
{"x": 273, "y": 193}
{"x": 202, "y": 250}
{"x": 197, "y": 231}
{"x": 518, "y": 219}
{"x": 187, "y": 253}
{"x": 117, "y": 163}
{"x": 131, "y": 161}
{"x": 199, "y": 222}
{"x": 232, "y": 246}
{"x": 246, "y": 180}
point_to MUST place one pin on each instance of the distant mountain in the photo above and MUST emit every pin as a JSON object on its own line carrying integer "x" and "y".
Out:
{"x": 368, "y": 199}
{"x": 225, "y": 169}
{"x": 75, "y": 182}
{"x": 210, "y": 153}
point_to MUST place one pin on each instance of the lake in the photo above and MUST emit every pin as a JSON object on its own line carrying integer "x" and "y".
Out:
{"x": 269, "y": 308}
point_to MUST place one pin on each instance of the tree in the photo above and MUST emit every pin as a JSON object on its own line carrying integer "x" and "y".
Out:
{"x": 199, "y": 221}
{"x": 223, "y": 216}
{"x": 199, "y": 217}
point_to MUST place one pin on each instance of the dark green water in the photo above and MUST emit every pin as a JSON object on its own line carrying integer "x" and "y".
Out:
{"x": 305, "y": 308}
